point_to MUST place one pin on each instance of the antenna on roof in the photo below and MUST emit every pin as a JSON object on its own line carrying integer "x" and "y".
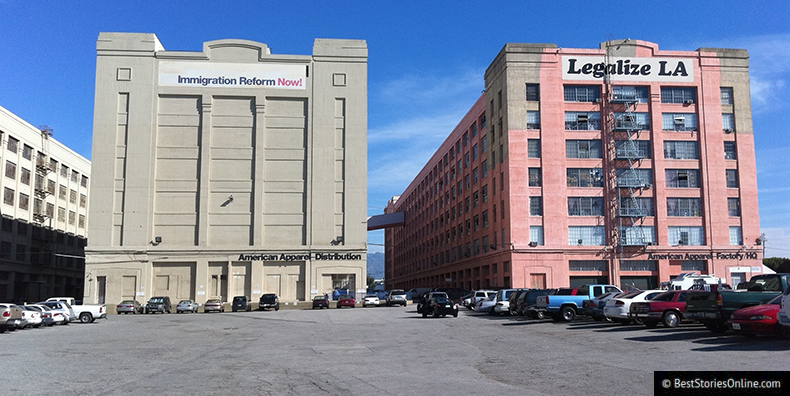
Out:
{"x": 46, "y": 131}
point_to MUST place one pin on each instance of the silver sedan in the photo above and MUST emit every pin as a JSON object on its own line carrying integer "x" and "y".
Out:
{"x": 187, "y": 306}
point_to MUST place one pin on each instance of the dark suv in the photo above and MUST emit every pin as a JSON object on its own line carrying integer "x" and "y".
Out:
{"x": 158, "y": 304}
{"x": 241, "y": 303}
{"x": 269, "y": 300}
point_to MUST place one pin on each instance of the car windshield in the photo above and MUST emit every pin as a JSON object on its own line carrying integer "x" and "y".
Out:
{"x": 239, "y": 299}
{"x": 213, "y": 302}
{"x": 441, "y": 300}
{"x": 319, "y": 298}
{"x": 269, "y": 295}
{"x": 398, "y": 293}
{"x": 156, "y": 300}
{"x": 127, "y": 302}
{"x": 344, "y": 297}
{"x": 185, "y": 302}
{"x": 371, "y": 296}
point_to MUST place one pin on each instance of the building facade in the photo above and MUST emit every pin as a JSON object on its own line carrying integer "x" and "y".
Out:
{"x": 45, "y": 211}
{"x": 227, "y": 172}
{"x": 624, "y": 164}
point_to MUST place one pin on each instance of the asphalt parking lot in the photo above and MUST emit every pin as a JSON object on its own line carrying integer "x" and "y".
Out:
{"x": 364, "y": 351}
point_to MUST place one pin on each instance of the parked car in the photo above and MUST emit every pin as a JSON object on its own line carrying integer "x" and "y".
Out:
{"x": 187, "y": 306}
{"x": 32, "y": 316}
{"x": 618, "y": 308}
{"x": 503, "y": 301}
{"x": 213, "y": 305}
{"x": 466, "y": 300}
{"x": 439, "y": 306}
{"x": 11, "y": 317}
{"x": 396, "y": 297}
{"x": 241, "y": 303}
{"x": 60, "y": 309}
{"x": 594, "y": 306}
{"x": 46, "y": 314}
{"x": 429, "y": 295}
{"x": 158, "y": 304}
{"x": 86, "y": 313}
{"x": 479, "y": 295}
{"x": 566, "y": 304}
{"x": 759, "y": 319}
{"x": 513, "y": 300}
{"x": 129, "y": 306}
{"x": 320, "y": 302}
{"x": 346, "y": 301}
{"x": 371, "y": 299}
{"x": 667, "y": 308}
{"x": 783, "y": 317}
{"x": 527, "y": 306}
{"x": 269, "y": 300}
{"x": 486, "y": 305}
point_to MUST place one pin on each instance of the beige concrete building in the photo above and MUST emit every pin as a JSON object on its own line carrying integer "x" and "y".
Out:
{"x": 231, "y": 171}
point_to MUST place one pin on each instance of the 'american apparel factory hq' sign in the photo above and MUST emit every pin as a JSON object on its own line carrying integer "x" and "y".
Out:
{"x": 232, "y": 75}
{"x": 594, "y": 68}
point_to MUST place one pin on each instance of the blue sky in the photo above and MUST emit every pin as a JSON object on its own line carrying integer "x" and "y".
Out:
{"x": 425, "y": 66}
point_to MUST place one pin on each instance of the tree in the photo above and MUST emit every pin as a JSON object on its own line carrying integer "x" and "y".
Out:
{"x": 371, "y": 282}
{"x": 778, "y": 264}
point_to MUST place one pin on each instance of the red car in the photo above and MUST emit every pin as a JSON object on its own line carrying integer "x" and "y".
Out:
{"x": 346, "y": 301}
{"x": 666, "y": 308}
{"x": 759, "y": 319}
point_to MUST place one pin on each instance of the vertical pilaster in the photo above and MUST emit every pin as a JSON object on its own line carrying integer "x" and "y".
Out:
{"x": 204, "y": 160}
{"x": 259, "y": 154}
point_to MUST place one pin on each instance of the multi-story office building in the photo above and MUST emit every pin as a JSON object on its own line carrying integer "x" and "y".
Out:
{"x": 624, "y": 164}
{"x": 45, "y": 207}
{"x": 229, "y": 171}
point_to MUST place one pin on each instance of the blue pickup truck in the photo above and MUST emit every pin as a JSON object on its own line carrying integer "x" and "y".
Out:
{"x": 566, "y": 303}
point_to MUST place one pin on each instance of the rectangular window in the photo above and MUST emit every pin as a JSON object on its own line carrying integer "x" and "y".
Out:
{"x": 728, "y": 122}
{"x": 62, "y": 191}
{"x": 485, "y": 218}
{"x": 51, "y": 186}
{"x": 585, "y": 206}
{"x": 684, "y": 207}
{"x": 10, "y": 170}
{"x": 635, "y": 207}
{"x": 732, "y": 178}
{"x": 582, "y": 121}
{"x": 638, "y": 265}
{"x": 679, "y": 121}
{"x": 582, "y": 93}
{"x": 466, "y": 182}
{"x": 474, "y": 176}
{"x": 634, "y": 178}
{"x": 482, "y": 121}
{"x": 584, "y": 177}
{"x": 466, "y": 139}
{"x": 583, "y": 149}
{"x": 626, "y": 94}
{"x": 631, "y": 121}
{"x": 729, "y": 151}
{"x": 534, "y": 177}
{"x": 682, "y": 178}
{"x": 681, "y": 150}
{"x": 24, "y": 201}
{"x": 466, "y": 160}
{"x": 501, "y": 154}
{"x": 686, "y": 236}
{"x": 483, "y": 144}
{"x": 73, "y": 197}
{"x": 536, "y": 234}
{"x": 733, "y": 207}
{"x": 474, "y": 152}
{"x": 475, "y": 199}
{"x": 533, "y": 92}
{"x": 735, "y": 236}
{"x": 8, "y": 196}
{"x": 726, "y": 95}
{"x": 533, "y": 148}
{"x": 473, "y": 129}
{"x": 61, "y": 213}
{"x": 637, "y": 235}
{"x": 586, "y": 235}
{"x": 681, "y": 95}
{"x": 72, "y": 217}
{"x": 476, "y": 222}
{"x": 13, "y": 144}
{"x": 485, "y": 193}
{"x": 27, "y": 152}
{"x": 24, "y": 176}
{"x": 533, "y": 119}
{"x": 634, "y": 149}
{"x": 64, "y": 171}
{"x": 587, "y": 265}
{"x": 81, "y": 221}
{"x": 466, "y": 204}
{"x": 536, "y": 206}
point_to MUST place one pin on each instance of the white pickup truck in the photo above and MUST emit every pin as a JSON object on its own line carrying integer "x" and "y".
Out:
{"x": 85, "y": 313}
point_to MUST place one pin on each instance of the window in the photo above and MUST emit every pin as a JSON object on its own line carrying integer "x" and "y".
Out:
{"x": 733, "y": 207}
{"x": 684, "y": 207}
{"x": 536, "y": 234}
{"x": 677, "y": 95}
{"x": 13, "y": 144}
{"x": 640, "y": 265}
{"x": 474, "y": 152}
{"x": 485, "y": 218}
{"x": 50, "y": 210}
{"x": 466, "y": 205}
{"x": 73, "y": 197}
{"x": 485, "y": 193}
{"x": 24, "y": 176}
{"x": 735, "y": 236}
{"x": 466, "y": 139}
{"x": 583, "y": 149}
{"x": 51, "y": 186}
{"x": 534, "y": 177}
{"x": 466, "y": 160}
{"x": 635, "y": 207}
{"x": 476, "y": 221}
{"x": 466, "y": 182}
{"x": 732, "y": 178}
{"x": 24, "y": 201}
{"x": 634, "y": 149}
{"x": 468, "y": 227}
{"x": 64, "y": 171}
{"x": 72, "y": 217}
{"x": 473, "y": 129}
{"x": 637, "y": 235}
{"x": 484, "y": 143}
{"x": 62, "y": 192}
{"x": 629, "y": 94}
{"x": 682, "y": 178}
{"x": 533, "y": 119}
{"x": 27, "y": 152}
{"x": 499, "y": 97}
{"x": 475, "y": 199}
{"x": 533, "y": 92}
{"x": 686, "y": 236}
{"x": 536, "y": 206}
{"x": 582, "y": 121}
{"x": 474, "y": 176}
{"x": 585, "y": 206}
{"x": 631, "y": 121}
{"x": 679, "y": 121}
{"x": 728, "y": 122}
{"x": 729, "y": 150}
{"x": 61, "y": 213}
{"x": 582, "y": 93}
{"x": 584, "y": 177}
{"x": 726, "y": 95}
{"x": 482, "y": 121}
{"x": 681, "y": 150}
{"x": 533, "y": 148}
{"x": 81, "y": 221}
{"x": 8, "y": 196}
{"x": 10, "y": 170}
{"x": 586, "y": 235}
{"x": 501, "y": 154}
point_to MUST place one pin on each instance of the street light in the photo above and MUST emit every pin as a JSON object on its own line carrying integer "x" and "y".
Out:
{"x": 762, "y": 240}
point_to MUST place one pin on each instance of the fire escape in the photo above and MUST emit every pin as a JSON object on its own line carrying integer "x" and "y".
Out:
{"x": 43, "y": 167}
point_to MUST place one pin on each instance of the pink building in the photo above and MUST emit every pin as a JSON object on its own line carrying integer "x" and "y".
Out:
{"x": 624, "y": 164}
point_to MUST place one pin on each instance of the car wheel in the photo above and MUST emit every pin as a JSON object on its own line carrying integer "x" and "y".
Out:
{"x": 455, "y": 314}
{"x": 540, "y": 315}
{"x": 671, "y": 319}
{"x": 435, "y": 313}
{"x": 277, "y": 308}
{"x": 424, "y": 315}
{"x": 85, "y": 317}
{"x": 651, "y": 325}
{"x": 718, "y": 328}
{"x": 597, "y": 318}
{"x": 783, "y": 331}
{"x": 568, "y": 314}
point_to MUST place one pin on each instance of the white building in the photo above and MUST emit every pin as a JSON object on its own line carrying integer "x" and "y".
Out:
{"x": 231, "y": 171}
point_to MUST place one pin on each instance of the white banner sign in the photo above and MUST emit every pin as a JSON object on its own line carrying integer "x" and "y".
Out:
{"x": 232, "y": 75}
{"x": 594, "y": 68}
